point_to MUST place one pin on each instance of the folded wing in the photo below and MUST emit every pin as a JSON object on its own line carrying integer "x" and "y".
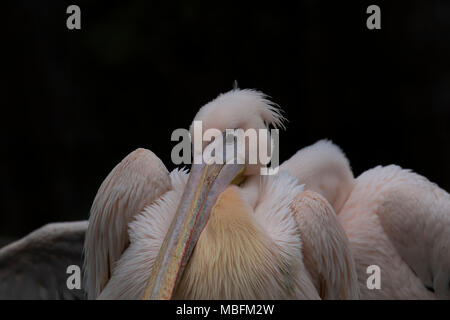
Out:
{"x": 137, "y": 181}
{"x": 35, "y": 267}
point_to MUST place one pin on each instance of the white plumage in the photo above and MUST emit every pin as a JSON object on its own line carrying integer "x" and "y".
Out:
{"x": 394, "y": 218}
{"x": 308, "y": 233}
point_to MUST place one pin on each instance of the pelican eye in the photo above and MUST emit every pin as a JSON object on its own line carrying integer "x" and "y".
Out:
{"x": 230, "y": 138}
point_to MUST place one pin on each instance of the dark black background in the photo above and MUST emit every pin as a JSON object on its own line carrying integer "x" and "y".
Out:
{"x": 74, "y": 103}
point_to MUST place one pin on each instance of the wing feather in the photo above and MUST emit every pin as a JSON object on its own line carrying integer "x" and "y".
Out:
{"x": 137, "y": 181}
{"x": 35, "y": 266}
{"x": 326, "y": 249}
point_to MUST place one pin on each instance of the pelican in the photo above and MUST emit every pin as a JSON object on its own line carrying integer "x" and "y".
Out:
{"x": 35, "y": 267}
{"x": 309, "y": 232}
{"x": 394, "y": 218}
{"x": 159, "y": 235}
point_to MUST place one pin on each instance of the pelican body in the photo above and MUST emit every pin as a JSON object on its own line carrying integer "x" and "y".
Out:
{"x": 203, "y": 235}
{"x": 224, "y": 231}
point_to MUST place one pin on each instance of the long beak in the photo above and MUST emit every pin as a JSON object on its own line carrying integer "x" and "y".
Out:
{"x": 206, "y": 182}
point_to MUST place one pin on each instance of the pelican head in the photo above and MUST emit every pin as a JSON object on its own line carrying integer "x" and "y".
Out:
{"x": 240, "y": 109}
{"x": 237, "y": 109}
